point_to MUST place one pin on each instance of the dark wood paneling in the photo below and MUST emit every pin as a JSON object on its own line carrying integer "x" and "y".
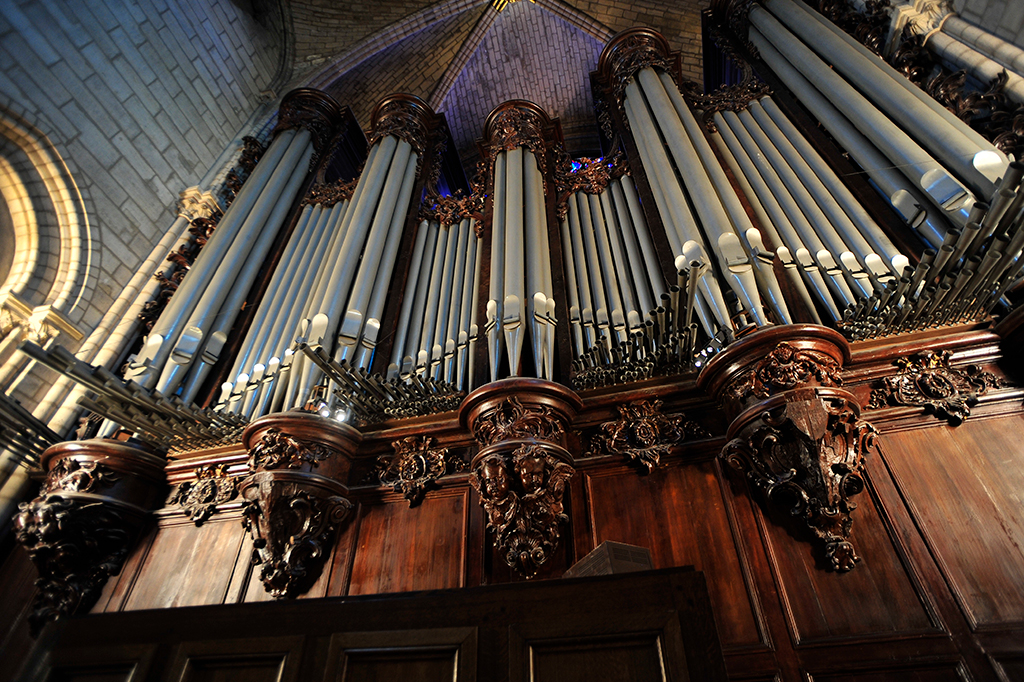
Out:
{"x": 188, "y": 565}
{"x": 252, "y": 659}
{"x": 965, "y": 488}
{"x": 938, "y": 673}
{"x": 878, "y": 597}
{"x": 679, "y": 514}
{"x": 1011, "y": 668}
{"x": 448, "y": 654}
{"x": 17, "y": 578}
{"x": 427, "y": 543}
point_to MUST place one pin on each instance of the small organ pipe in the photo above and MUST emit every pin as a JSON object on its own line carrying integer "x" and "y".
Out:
{"x": 573, "y": 288}
{"x": 412, "y": 286}
{"x": 652, "y": 268}
{"x": 616, "y": 240}
{"x": 637, "y": 264}
{"x": 513, "y": 306}
{"x": 587, "y": 318}
{"x": 495, "y": 336}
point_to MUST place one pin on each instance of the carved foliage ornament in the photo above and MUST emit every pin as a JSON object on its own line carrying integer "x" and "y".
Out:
{"x": 522, "y": 496}
{"x": 79, "y": 476}
{"x": 512, "y": 421}
{"x": 292, "y": 524}
{"x": 403, "y": 120}
{"x": 331, "y": 194}
{"x": 787, "y": 367}
{"x": 415, "y": 466}
{"x": 928, "y": 380}
{"x": 276, "y": 450}
{"x": 643, "y": 434}
{"x": 313, "y": 111}
{"x": 514, "y": 127}
{"x": 637, "y": 51}
{"x": 808, "y": 455}
{"x": 199, "y": 498}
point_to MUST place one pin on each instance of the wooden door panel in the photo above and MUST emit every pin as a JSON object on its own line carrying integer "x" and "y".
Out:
{"x": 965, "y": 487}
{"x": 939, "y": 673}
{"x": 255, "y": 659}
{"x": 106, "y": 673}
{"x": 679, "y": 514}
{"x": 442, "y": 654}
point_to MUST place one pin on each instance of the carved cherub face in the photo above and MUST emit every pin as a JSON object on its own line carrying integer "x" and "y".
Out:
{"x": 495, "y": 479}
{"x": 531, "y": 473}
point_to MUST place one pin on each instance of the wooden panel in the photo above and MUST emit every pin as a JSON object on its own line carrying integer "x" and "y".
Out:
{"x": 448, "y": 654}
{"x": 402, "y": 549}
{"x": 188, "y": 565}
{"x": 107, "y": 673}
{"x": 619, "y": 660}
{"x": 877, "y": 597}
{"x": 17, "y": 587}
{"x": 965, "y": 488}
{"x": 254, "y": 659}
{"x": 941, "y": 673}
{"x": 679, "y": 514}
{"x": 1011, "y": 667}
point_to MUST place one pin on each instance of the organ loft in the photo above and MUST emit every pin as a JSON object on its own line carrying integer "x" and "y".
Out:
{"x": 500, "y": 341}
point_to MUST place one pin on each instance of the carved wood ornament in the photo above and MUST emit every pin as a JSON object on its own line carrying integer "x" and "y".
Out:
{"x": 290, "y": 512}
{"x": 199, "y": 498}
{"x": 642, "y": 434}
{"x": 927, "y": 380}
{"x": 415, "y": 466}
{"x": 522, "y": 468}
{"x": 796, "y": 433}
{"x": 97, "y": 498}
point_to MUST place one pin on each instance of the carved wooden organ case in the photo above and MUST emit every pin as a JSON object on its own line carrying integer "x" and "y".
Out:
{"x": 719, "y": 342}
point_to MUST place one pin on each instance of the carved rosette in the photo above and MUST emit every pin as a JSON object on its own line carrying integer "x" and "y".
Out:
{"x": 199, "y": 498}
{"x": 928, "y": 380}
{"x": 795, "y": 432}
{"x": 642, "y": 434}
{"x": 97, "y": 498}
{"x": 315, "y": 111}
{"x": 415, "y": 466}
{"x": 295, "y": 497}
{"x": 522, "y": 468}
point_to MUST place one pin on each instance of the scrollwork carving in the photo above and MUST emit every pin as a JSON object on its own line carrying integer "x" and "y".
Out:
{"x": 292, "y": 522}
{"x": 79, "y": 476}
{"x": 786, "y": 367}
{"x": 928, "y": 380}
{"x": 403, "y": 117}
{"x": 643, "y": 434}
{"x": 199, "y": 498}
{"x": 808, "y": 456}
{"x": 522, "y": 494}
{"x": 315, "y": 111}
{"x": 277, "y": 450}
{"x": 415, "y": 466}
{"x": 513, "y": 421}
{"x": 331, "y": 194}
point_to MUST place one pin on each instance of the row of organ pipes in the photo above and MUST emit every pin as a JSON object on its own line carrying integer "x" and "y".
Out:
{"x": 318, "y": 333}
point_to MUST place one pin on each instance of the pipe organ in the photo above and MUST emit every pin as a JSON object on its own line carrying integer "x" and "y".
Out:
{"x": 579, "y": 350}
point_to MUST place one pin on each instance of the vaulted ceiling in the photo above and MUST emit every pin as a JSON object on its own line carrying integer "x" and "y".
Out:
{"x": 464, "y": 57}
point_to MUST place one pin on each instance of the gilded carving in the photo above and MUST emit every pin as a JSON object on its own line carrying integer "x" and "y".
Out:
{"x": 415, "y": 466}
{"x": 808, "y": 456}
{"x": 332, "y": 193}
{"x": 522, "y": 495}
{"x": 402, "y": 118}
{"x": 639, "y": 50}
{"x": 786, "y": 367}
{"x": 79, "y": 476}
{"x": 928, "y": 380}
{"x": 643, "y": 434}
{"x": 199, "y": 498}
{"x": 277, "y": 450}
{"x": 512, "y": 421}
{"x": 292, "y": 525}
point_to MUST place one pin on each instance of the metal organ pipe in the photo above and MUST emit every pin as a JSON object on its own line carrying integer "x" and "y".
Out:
{"x": 980, "y": 167}
{"x": 910, "y": 203}
{"x": 920, "y": 167}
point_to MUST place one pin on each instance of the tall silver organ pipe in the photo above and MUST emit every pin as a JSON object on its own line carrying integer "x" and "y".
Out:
{"x": 619, "y": 270}
{"x": 520, "y": 309}
{"x": 691, "y": 175}
{"x": 432, "y": 333}
{"x": 343, "y": 316}
{"x": 189, "y": 335}
{"x": 920, "y": 165}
